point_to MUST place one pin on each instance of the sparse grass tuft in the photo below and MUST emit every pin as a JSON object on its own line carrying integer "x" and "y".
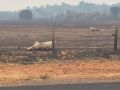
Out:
{"x": 44, "y": 76}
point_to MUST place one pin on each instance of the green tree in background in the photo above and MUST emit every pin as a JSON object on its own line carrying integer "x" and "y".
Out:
{"x": 115, "y": 12}
{"x": 25, "y": 15}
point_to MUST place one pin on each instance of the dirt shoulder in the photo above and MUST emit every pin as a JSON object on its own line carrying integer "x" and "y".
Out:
{"x": 61, "y": 71}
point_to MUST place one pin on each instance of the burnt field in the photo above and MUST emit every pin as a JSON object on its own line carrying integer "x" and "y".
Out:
{"x": 71, "y": 43}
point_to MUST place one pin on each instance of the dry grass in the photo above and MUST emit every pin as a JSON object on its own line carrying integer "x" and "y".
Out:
{"x": 60, "y": 70}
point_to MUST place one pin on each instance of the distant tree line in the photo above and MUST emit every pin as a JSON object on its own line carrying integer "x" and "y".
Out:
{"x": 83, "y": 13}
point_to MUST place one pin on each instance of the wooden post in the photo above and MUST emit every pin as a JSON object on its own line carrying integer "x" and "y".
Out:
{"x": 115, "y": 38}
{"x": 53, "y": 40}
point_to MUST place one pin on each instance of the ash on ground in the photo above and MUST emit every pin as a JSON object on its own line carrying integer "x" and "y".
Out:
{"x": 18, "y": 56}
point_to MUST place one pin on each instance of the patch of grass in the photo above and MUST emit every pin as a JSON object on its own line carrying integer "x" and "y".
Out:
{"x": 28, "y": 78}
{"x": 44, "y": 76}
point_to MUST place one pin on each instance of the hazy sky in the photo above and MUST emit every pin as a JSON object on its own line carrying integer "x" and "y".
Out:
{"x": 19, "y": 4}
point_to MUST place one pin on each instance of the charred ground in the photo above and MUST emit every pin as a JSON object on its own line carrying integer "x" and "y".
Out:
{"x": 71, "y": 43}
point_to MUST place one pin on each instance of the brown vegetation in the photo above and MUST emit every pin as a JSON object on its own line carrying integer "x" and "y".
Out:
{"x": 60, "y": 70}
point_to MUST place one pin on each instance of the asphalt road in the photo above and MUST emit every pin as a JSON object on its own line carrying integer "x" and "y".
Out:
{"x": 92, "y": 86}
